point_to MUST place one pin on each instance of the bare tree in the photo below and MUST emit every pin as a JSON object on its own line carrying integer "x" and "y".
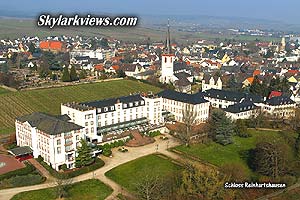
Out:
{"x": 149, "y": 188}
{"x": 61, "y": 187}
{"x": 188, "y": 119}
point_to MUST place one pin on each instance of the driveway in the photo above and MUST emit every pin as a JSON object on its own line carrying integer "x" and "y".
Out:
{"x": 118, "y": 158}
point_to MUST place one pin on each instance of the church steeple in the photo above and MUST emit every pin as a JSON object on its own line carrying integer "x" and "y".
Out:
{"x": 168, "y": 40}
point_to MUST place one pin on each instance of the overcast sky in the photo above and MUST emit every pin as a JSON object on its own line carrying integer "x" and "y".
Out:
{"x": 282, "y": 10}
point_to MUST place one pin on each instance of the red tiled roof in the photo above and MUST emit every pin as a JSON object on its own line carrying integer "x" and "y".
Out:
{"x": 116, "y": 67}
{"x": 275, "y": 94}
{"x": 293, "y": 71}
{"x": 99, "y": 67}
{"x": 256, "y": 72}
{"x": 54, "y": 45}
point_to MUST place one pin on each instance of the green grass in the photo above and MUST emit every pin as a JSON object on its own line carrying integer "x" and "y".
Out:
{"x": 89, "y": 189}
{"x": 19, "y": 103}
{"x": 128, "y": 174}
{"x": 218, "y": 155}
{"x": 3, "y": 91}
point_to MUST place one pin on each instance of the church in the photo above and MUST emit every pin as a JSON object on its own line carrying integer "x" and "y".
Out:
{"x": 175, "y": 72}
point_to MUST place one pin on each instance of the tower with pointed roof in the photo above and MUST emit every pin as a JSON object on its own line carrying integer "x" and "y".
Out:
{"x": 167, "y": 60}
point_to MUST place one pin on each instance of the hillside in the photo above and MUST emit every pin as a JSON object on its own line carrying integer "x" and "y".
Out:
{"x": 19, "y": 103}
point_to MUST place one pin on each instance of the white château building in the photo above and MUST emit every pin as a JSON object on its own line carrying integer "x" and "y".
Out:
{"x": 56, "y": 138}
{"x": 104, "y": 116}
{"x": 52, "y": 137}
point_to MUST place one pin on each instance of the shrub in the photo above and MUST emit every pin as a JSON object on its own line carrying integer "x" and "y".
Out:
{"x": 288, "y": 180}
{"x": 107, "y": 152}
{"x": 40, "y": 158}
{"x": 64, "y": 167}
{"x": 65, "y": 175}
{"x": 30, "y": 179}
{"x": 11, "y": 146}
{"x": 244, "y": 134}
{"x": 153, "y": 133}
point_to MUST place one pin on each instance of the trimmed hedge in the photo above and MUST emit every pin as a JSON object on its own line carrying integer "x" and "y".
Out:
{"x": 65, "y": 175}
{"x": 25, "y": 180}
{"x": 19, "y": 172}
{"x": 153, "y": 133}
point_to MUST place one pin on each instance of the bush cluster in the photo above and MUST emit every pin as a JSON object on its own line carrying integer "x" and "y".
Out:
{"x": 106, "y": 148}
{"x": 153, "y": 133}
{"x": 65, "y": 175}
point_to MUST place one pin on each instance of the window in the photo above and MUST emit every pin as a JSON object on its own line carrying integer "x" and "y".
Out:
{"x": 125, "y": 105}
{"x": 142, "y": 102}
{"x": 130, "y": 104}
{"x": 87, "y": 131}
{"x": 86, "y": 123}
{"x": 112, "y": 108}
{"x": 77, "y": 137}
{"x": 105, "y": 109}
{"x": 92, "y": 123}
{"x": 58, "y": 142}
{"x": 58, "y": 149}
{"x": 92, "y": 129}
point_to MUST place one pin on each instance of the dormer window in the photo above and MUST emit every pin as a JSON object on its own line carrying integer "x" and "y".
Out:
{"x": 142, "y": 102}
{"x": 125, "y": 105}
{"x": 136, "y": 103}
{"x": 111, "y": 108}
{"x": 106, "y": 109}
{"x": 130, "y": 104}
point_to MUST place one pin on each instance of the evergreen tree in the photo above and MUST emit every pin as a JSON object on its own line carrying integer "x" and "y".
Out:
{"x": 66, "y": 75}
{"x": 221, "y": 127}
{"x": 82, "y": 74}
{"x": 297, "y": 146}
{"x": 73, "y": 74}
{"x": 31, "y": 48}
{"x": 84, "y": 157}
{"x": 121, "y": 74}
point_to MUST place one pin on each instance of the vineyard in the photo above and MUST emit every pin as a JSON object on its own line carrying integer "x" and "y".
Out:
{"x": 19, "y": 103}
{"x": 3, "y": 91}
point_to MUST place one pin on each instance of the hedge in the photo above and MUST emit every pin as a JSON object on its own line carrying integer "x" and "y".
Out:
{"x": 25, "y": 180}
{"x": 153, "y": 133}
{"x": 19, "y": 172}
{"x": 65, "y": 175}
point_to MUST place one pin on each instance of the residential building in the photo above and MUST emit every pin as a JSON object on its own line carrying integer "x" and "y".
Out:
{"x": 243, "y": 110}
{"x": 52, "y": 137}
{"x": 176, "y": 103}
{"x": 279, "y": 107}
{"x": 223, "y": 98}
{"x": 212, "y": 83}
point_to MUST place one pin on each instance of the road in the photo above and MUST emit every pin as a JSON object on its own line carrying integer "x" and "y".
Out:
{"x": 110, "y": 163}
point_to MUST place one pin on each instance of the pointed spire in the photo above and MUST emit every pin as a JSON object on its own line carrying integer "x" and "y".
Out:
{"x": 168, "y": 39}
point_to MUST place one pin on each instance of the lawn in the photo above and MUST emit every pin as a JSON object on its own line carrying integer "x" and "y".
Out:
{"x": 89, "y": 189}
{"x": 218, "y": 155}
{"x": 3, "y": 91}
{"x": 19, "y": 103}
{"x": 129, "y": 173}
